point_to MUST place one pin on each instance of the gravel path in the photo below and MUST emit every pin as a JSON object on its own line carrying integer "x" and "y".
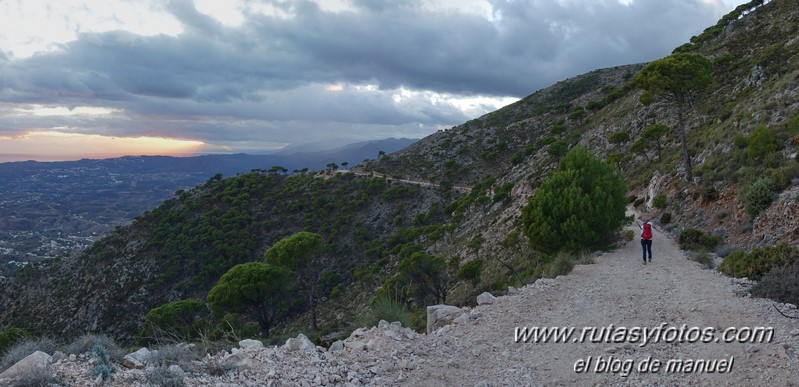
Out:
{"x": 620, "y": 290}
{"x": 480, "y": 349}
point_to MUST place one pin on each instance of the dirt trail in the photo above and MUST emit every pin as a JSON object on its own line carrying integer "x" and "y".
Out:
{"x": 620, "y": 290}
{"x": 481, "y": 350}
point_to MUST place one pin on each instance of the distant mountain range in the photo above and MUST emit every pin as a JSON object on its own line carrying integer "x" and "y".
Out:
{"x": 226, "y": 164}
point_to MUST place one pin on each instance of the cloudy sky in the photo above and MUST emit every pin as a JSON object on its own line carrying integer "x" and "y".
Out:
{"x": 110, "y": 77}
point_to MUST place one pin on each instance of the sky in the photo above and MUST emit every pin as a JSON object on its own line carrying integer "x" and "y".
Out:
{"x": 114, "y": 77}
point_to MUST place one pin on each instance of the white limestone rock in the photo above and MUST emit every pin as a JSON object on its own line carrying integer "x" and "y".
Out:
{"x": 250, "y": 344}
{"x": 130, "y": 362}
{"x": 33, "y": 361}
{"x": 485, "y": 298}
{"x": 441, "y": 315}
{"x": 300, "y": 343}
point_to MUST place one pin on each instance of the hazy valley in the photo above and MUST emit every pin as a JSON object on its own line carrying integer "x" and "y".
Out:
{"x": 54, "y": 209}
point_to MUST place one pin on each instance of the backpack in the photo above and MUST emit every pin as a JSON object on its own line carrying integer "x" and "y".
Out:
{"x": 647, "y": 233}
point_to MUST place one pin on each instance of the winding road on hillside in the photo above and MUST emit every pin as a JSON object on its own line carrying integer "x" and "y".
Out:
{"x": 618, "y": 291}
{"x": 421, "y": 183}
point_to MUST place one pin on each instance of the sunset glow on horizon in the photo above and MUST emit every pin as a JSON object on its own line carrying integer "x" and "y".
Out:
{"x": 62, "y": 146}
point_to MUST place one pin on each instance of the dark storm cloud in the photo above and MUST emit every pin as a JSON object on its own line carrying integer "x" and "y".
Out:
{"x": 247, "y": 82}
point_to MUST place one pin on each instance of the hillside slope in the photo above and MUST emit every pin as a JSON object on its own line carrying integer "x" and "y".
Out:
{"x": 480, "y": 350}
{"x": 755, "y": 55}
{"x": 180, "y": 249}
{"x": 502, "y": 156}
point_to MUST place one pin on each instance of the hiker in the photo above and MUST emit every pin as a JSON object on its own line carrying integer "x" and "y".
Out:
{"x": 646, "y": 239}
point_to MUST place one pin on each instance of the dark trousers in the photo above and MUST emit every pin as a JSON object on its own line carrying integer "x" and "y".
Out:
{"x": 646, "y": 245}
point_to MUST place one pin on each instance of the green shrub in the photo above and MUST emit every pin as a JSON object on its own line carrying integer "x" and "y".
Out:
{"x": 638, "y": 202}
{"x": 629, "y": 235}
{"x": 11, "y": 336}
{"x": 616, "y": 158}
{"x": 503, "y": 192}
{"x": 758, "y": 197}
{"x": 102, "y": 370}
{"x": 782, "y": 176}
{"x": 89, "y": 342}
{"x": 710, "y": 241}
{"x": 517, "y": 158}
{"x": 562, "y": 264}
{"x": 390, "y": 309}
{"x": 619, "y": 137}
{"x": 557, "y": 128}
{"x": 759, "y": 261}
{"x": 723, "y": 250}
{"x": 498, "y": 285}
{"x": 665, "y": 218}
{"x": 710, "y": 193}
{"x": 511, "y": 239}
{"x": 470, "y": 271}
{"x": 557, "y": 149}
{"x": 761, "y": 143}
{"x": 577, "y": 114}
{"x": 580, "y": 206}
{"x": 183, "y": 320}
{"x": 660, "y": 201}
{"x": 779, "y": 284}
{"x": 745, "y": 176}
{"x": 693, "y": 239}
{"x": 426, "y": 276}
{"x": 704, "y": 258}
{"x": 235, "y": 326}
{"x": 739, "y": 140}
{"x": 589, "y": 259}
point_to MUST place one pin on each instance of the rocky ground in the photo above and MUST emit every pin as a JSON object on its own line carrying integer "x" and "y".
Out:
{"x": 478, "y": 348}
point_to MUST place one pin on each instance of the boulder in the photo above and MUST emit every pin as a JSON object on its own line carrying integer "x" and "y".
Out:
{"x": 130, "y": 362}
{"x": 249, "y": 343}
{"x": 337, "y": 346}
{"x": 301, "y": 343}
{"x": 33, "y": 361}
{"x": 485, "y": 298}
{"x": 441, "y": 315}
{"x": 142, "y": 355}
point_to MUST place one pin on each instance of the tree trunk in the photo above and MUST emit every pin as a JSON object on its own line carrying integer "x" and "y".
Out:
{"x": 684, "y": 140}
{"x": 510, "y": 267}
{"x": 312, "y": 305}
{"x": 657, "y": 143}
{"x": 263, "y": 318}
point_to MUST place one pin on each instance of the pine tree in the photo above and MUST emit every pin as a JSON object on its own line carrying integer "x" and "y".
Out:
{"x": 579, "y": 206}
